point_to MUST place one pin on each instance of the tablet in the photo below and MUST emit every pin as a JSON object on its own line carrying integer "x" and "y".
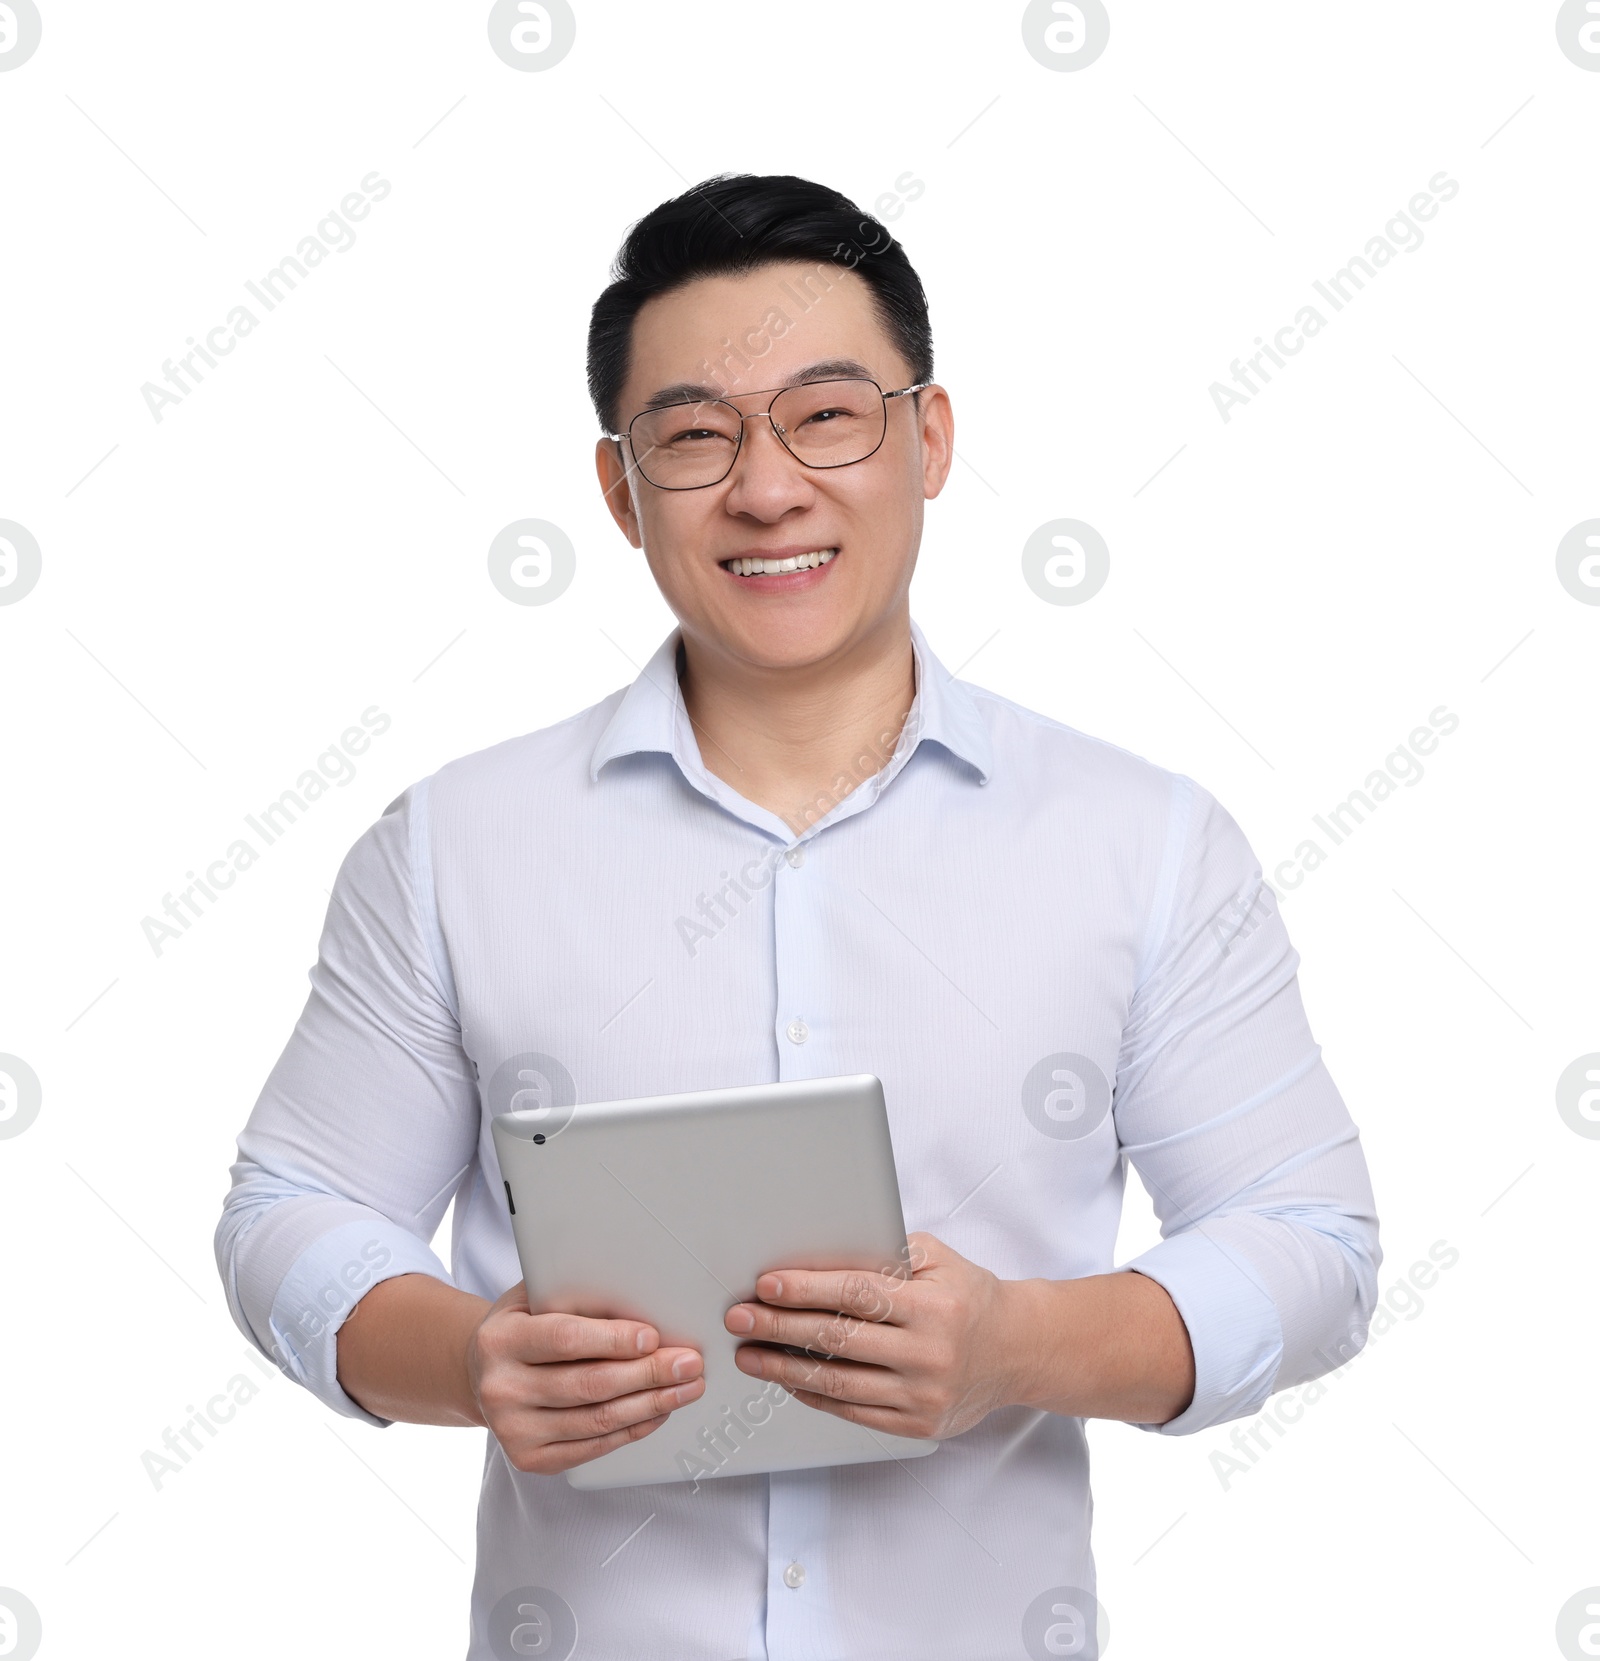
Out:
{"x": 666, "y": 1209}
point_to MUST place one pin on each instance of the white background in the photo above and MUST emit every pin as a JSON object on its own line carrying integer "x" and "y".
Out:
{"x": 224, "y": 591}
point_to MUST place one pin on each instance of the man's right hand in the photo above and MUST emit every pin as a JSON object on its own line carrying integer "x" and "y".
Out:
{"x": 560, "y": 1390}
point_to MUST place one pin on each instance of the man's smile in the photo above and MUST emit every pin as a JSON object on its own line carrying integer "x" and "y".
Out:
{"x": 801, "y": 566}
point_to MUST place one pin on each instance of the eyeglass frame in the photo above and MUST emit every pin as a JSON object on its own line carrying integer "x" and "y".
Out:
{"x": 755, "y": 392}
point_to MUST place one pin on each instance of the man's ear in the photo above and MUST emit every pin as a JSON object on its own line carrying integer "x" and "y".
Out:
{"x": 613, "y": 472}
{"x": 936, "y": 424}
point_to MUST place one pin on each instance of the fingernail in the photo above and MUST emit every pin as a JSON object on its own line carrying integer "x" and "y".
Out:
{"x": 682, "y": 1393}
{"x": 740, "y": 1320}
{"x": 645, "y": 1336}
{"x": 681, "y": 1367}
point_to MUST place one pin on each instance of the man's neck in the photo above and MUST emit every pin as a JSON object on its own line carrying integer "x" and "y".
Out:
{"x": 797, "y": 742}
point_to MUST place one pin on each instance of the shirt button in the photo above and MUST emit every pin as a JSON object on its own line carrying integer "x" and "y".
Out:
{"x": 794, "y": 1577}
{"x": 798, "y": 1032}
{"x": 796, "y": 855}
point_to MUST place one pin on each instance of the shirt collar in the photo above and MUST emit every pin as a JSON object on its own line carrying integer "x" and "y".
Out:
{"x": 651, "y": 711}
{"x": 947, "y": 712}
{"x": 652, "y": 716}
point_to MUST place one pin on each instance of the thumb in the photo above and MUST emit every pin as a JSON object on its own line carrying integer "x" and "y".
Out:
{"x": 514, "y": 1297}
{"x": 926, "y": 1252}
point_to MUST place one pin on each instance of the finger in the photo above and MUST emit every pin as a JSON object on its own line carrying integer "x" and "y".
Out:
{"x": 578, "y": 1383}
{"x": 584, "y": 1337}
{"x": 822, "y": 1334}
{"x": 887, "y": 1419}
{"x": 551, "y": 1458}
{"x": 836, "y": 1380}
{"x": 859, "y": 1292}
{"x": 596, "y": 1419}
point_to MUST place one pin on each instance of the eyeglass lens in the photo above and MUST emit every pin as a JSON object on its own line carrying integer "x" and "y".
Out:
{"x": 823, "y": 424}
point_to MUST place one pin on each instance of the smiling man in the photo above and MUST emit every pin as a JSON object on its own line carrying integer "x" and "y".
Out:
{"x": 1059, "y": 958}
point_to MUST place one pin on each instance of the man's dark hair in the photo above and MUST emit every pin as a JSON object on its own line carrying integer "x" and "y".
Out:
{"x": 737, "y": 222}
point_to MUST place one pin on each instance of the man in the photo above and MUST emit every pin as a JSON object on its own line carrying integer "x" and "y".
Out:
{"x": 796, "y": 847}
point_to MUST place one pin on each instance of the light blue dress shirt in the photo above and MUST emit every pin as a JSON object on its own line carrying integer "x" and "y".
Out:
{"x": 1059, "y": 959}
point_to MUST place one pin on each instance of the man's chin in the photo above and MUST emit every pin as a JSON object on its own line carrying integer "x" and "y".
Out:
{"x": 792, "y": 640}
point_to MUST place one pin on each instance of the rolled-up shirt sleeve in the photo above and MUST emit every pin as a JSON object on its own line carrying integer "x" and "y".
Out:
{"x": 1225, "y": 1109}
{"x": 366, "y": 1125}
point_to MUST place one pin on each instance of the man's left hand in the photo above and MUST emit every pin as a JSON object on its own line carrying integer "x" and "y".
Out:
{"x": 927, "y": 1354}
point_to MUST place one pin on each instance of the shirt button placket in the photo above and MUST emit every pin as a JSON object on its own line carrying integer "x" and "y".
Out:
{"x": 799, "y": 1618}
{"x": 801, "y": 1623}
{"x": 793, "y": 946}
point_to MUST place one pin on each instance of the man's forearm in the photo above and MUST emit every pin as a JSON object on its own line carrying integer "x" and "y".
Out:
{"x": 403, "y": 1351}
{"x": 1103, "y": 1347}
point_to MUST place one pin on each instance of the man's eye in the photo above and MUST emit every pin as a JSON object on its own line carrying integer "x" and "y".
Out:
{"x": 824, "y": 415}
{"x": 692, "y": 434}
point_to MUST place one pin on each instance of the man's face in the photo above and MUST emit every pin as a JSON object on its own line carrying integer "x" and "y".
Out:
{"x": 867, "y": 515}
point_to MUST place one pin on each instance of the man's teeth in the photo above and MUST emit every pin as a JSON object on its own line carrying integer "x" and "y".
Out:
{"x": 771, "y": 567}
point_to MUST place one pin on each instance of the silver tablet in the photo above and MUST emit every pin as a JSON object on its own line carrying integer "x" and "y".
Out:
{"x": 668, "y": 1208}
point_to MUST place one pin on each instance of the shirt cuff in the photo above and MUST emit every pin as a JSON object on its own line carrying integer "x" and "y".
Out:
{"x": 1234, "y": 1327}
{"x": 324, "y": 1284}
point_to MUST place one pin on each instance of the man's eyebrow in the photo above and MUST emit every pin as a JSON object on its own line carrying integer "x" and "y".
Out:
{"x": 828, "y": 369}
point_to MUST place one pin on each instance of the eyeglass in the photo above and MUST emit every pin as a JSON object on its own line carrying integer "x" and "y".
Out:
{"x": 694, "y": 443}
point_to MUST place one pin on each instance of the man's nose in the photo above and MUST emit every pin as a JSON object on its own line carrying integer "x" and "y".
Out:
{"x": 774, "y": 427}
{"x": 765, "y": 474}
